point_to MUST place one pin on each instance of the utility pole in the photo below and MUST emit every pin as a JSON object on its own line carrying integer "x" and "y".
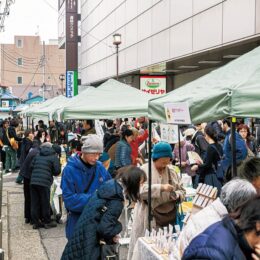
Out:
{"x": 43, "y": 67}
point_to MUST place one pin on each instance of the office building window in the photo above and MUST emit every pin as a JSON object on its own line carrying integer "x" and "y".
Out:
{"x": 20, "y": 61}
{"x": 19, "y": 80}
{"x": 19, "y": 43}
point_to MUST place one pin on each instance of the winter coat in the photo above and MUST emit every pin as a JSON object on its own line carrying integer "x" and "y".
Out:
{"x": 218, "y": 242}
{"x": 198, "y": 222}
{"x": 140, "y": 221}
{"x": 26, "y": 169}
{"x": 44, "y": 166}
{"x": 95, "y": 225}
{"x": 123, "y": 154}
{"x": 241, "y": 149}
{"x": 75, "y": 179}
{"x": 135, "y": 146}
{"x": 200, "y": 144}
{"x": 25, "y": 148}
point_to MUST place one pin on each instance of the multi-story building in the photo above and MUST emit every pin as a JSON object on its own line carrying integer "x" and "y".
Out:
{"x": 29, "y": 63}
{"x": 182, "y": 39}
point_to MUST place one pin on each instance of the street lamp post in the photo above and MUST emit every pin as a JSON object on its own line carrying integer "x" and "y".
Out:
{"x": 117, "y": 41}
{"x": 62, "y": 78}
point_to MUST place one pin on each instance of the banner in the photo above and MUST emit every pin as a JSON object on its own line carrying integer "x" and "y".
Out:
{"x": 155, "y": 85}
{"x": 177, "y": 113}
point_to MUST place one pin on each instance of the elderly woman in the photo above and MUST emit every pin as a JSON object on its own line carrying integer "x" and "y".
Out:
{"x": 237, "y": 238}
{"x": 166, "y": 189}
{"x": 244, "y": 131}
{"x": 233, "y": 195}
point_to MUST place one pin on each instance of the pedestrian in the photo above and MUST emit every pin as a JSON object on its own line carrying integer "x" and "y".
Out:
{"x": 99, "y": 220}
{"x": 44, "y": 166}
{"x": 26, "y": 172}
{"x": 123, "y": 149}
{"x": 88, "y": 128}
{"x": 26, "y": 145}
{"x": 250, "y": 170}
{"x": 10, "y": 151}
{"x": 206, "y": 170}
{"x": 167, "y": 191}
{"x": 80, "y": 178}
{"x": 233, "y": 195}
{"x": 237, "y": 238}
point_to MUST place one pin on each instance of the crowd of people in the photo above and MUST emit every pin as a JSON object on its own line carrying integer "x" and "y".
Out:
{"x": 102, "y": 174}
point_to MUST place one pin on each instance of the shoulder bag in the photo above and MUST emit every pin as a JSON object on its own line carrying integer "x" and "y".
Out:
{"x": 12, "y": 141}
{"x": 165, "y": 213}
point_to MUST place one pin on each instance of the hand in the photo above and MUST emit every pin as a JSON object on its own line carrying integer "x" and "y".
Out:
{"x": 116, "y": 238}
{"x": 194, "y": 168}
{"x": 256, "y": 256}
{"x": 199, "y": 162}
{"x": 166, "y": 187}
{"x": 183, "y": 164}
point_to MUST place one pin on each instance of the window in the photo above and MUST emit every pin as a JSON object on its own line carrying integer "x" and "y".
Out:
{"x": 20, "y": 61}
{"x": 19, "y": 80}
{"x": 19, "y": 43}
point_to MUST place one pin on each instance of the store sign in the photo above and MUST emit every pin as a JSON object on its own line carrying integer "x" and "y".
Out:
{"x": 71, "y": 84}
{"x": 177, "y": 113}
{"x": 155, "y": 85}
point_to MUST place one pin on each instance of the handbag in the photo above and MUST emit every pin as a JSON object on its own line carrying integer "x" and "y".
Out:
{"x": 165, "y": 213}
{"x": 12, "y": 141}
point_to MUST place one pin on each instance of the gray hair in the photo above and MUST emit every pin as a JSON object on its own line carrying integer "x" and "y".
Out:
{"x": 236, "y": 193}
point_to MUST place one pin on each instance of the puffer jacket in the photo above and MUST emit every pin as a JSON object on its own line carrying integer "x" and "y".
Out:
{"x": 75, "y": 179}
{"x": 98, "y": 221}
{"x": 44, "y": 166}
{"x": 123, "y": 154}
{"x": 218, "y": 242}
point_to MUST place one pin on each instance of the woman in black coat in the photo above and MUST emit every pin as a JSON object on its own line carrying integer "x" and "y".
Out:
{"x": 99, "y": 220}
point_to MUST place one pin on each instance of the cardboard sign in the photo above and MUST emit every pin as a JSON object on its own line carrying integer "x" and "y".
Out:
{"x": 177, "y": 113}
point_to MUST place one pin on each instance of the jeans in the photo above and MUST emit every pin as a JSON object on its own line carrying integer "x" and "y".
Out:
{"x": 10, "y": 158}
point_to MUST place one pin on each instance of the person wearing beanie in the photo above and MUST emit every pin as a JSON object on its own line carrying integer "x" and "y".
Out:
{"x": 167, "y": 189}
{"x": 80, "y": 179}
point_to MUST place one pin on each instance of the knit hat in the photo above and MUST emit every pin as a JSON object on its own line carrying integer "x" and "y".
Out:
{"x": 162, "y": 149}
{"x": 92, "y": 144}
{"x": 56, "y": 148}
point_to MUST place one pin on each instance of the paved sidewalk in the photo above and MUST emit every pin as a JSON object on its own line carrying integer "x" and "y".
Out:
{"x": 20, "y": 241}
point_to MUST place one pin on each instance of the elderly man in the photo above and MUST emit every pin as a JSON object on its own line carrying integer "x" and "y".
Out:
{"x": 233, "y": 195}
{"x": 166, "y": 188}
{"x": 80, "y": 178}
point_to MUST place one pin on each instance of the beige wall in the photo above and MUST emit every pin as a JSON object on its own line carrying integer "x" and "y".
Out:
{"x": 31, "y": 71}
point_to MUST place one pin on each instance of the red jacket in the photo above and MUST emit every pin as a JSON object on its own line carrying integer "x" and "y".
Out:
{"x": 135, "y": 144}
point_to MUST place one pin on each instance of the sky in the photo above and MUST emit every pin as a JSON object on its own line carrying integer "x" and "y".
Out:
{"x": 31, "y": 17}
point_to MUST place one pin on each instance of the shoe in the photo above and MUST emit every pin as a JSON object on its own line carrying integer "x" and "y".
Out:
{"x": 50, "y": 225}
{"x": 27, "y": 221}
{"x": 19, "y": 179}
{"x": 37, "y": 226}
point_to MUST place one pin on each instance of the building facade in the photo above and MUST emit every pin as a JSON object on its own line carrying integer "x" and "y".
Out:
{"x": 182, "y": 39}
{"x": 24, "y": 68}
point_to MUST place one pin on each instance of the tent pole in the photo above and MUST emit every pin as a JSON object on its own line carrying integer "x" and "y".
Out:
{"x": 179, "y": 141}
{"x": 150, "y": 217}
{"x": 27, "y": 122}
{"x": 233, "y": 146}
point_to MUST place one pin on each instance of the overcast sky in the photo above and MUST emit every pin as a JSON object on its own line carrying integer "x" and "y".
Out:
{"x": 29, "y": 17}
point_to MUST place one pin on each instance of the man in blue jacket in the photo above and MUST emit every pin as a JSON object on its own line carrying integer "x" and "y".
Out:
{"x": 80, "y": 179}
{"x": 241, "y": 149}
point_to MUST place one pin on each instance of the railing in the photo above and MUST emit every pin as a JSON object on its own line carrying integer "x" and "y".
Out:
{"x": 1, "y": 200}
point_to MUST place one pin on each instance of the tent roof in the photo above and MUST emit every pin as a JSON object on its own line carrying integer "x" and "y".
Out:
{"x": 111, "y": 99}
{"x": 231, "y": 90}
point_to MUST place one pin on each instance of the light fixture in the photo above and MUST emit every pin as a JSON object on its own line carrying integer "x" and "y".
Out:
{"x": 188, "y": 67}
{"x": 117, "y": 39}
{"x": 231, "y": 56}
{"x": 209, "y": 61}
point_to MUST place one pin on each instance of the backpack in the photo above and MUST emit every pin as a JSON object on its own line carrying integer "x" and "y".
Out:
{"x": 219, "y": 169}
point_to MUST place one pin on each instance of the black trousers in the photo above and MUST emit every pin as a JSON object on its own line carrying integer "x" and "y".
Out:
{"x": 40, "y": 204}
{"x": 27, "y": 198}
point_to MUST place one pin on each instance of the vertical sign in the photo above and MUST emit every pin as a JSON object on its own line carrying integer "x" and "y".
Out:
{"x": 71, "y": 84}
{"x": 71, "y": 48}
